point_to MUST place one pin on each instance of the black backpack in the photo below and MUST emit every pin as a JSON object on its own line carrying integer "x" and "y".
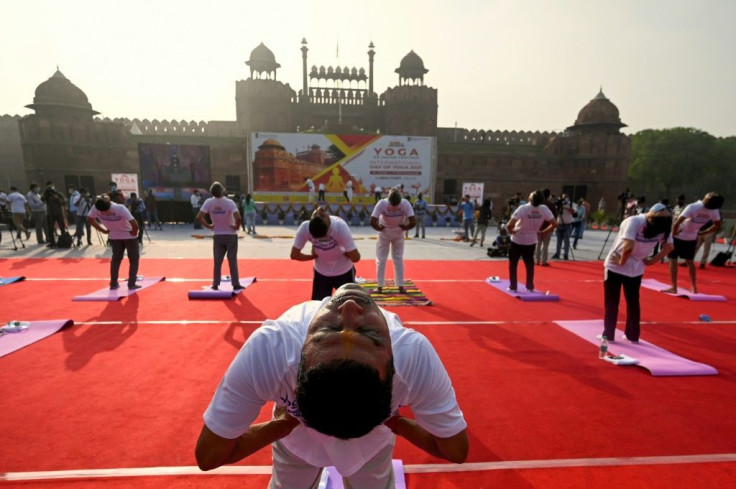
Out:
{"x": 65, "y": 240}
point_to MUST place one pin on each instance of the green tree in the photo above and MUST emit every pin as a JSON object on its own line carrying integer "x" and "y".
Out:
{"x": 666, "y": 162}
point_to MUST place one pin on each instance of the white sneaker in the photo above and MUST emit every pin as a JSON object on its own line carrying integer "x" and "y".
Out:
{"x": 600, "y": 337}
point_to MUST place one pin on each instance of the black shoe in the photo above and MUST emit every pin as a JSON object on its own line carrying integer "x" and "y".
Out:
{"x": 215, "y": 287}
{"x": 556, "y": 257}
{"x": 238, "y": 288}
{"x": 134, "y": 286}
{"x": 89, "y": 243}
{"x": 114, "y": 286}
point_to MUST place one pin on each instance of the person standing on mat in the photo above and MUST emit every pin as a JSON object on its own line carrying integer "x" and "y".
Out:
{"x": 525, "y": 227}
{"x": 337, "y": 370}
{"x": 685, "y": 232}
{"x": 391, "y": 217}
{"x": 116, "y": 221}
{"x": 625, "y": 263}
{"x": 226, "y": 222}
{"x": 333, "y": 251}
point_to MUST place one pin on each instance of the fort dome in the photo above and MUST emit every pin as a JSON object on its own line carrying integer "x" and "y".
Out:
{"x": 272, "y": 143}
{"x": 599, "y": 111}
{"x": 262, "y": 59}
{"x": 411, "y": 66}
{"x": 58, "y": 93}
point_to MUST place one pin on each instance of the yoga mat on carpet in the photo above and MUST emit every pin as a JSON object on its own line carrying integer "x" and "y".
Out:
{"x": 331, "y": 478}
{"x": 108, "y": 295}
{"x": 658, "y": 361}
{"x": 225, "y": 290}
{"x": 535, "y": 296}
{"x": 10, "y": 280}
{"x": 650, "y": 283}
{"x": 391, "y": 296}
{"x": 37, "y": 330}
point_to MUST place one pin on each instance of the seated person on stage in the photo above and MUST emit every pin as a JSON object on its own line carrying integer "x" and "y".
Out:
{"x": 337, "y": 370}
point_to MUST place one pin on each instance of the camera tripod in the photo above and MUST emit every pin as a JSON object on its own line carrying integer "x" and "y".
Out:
{"x": 620, "y": 217}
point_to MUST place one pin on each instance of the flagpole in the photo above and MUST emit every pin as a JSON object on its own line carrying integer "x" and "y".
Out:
{"x": 339, "y": 86}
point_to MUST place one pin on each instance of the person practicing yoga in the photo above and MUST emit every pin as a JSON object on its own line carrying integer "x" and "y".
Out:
{"x": 337, "y": 370}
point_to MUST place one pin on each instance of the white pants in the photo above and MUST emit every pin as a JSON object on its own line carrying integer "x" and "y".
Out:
{"x": 393, "y": 239}
{"x": 291, "y": 472}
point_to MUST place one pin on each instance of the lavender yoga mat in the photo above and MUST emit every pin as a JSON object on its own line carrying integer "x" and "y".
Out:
{"x": 225, "y": 290}
{"x": 658, "y": 361}
{"x": 536, "y": 296}
{"x": 331, "y": 478}
{"x": 650, "y": 283}
{"x": 37, "y": 330}
{"x": 113, "y": 295}
{"x": 10, "y": 280}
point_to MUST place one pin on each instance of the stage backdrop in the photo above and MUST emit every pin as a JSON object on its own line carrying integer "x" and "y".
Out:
{"x": 174, "y": 171}
{"x": 279, "y": 163}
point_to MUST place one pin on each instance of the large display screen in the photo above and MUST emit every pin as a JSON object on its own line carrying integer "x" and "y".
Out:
{"x": 174, "y": 171}
{"x": 282, "y": 162}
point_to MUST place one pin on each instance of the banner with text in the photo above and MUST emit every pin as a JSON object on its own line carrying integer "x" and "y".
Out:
{"x": 281, "y": 163}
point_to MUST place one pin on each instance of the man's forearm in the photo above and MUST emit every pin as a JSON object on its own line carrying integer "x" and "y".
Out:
{"x": 421, "y": 438}
{"x": 259, "y": 436}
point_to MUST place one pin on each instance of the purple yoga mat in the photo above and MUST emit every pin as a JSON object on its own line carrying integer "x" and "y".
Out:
{"x": 650, "y": 283}
{"x": 334, "y": 479}
{"x": 37, "y": 330}
{"x": 10, "y": 280}
{"x": 536, "y": 296}
{"x": 225, "y": 290}
{"x": 107, "y": 295}
{"x": 658, "y": 361}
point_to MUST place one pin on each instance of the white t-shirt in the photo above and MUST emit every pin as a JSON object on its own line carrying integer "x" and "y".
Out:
{"x": 392, "y": 216}
{"x": 17, "y": 203}
{"x": 221, "y": 210}
{"x": 632, "y": 228}
{"x": 528, "y": 221}
{"x": 331, "y": 260}
{"x": 265, "y": 369}
{"x": 116, "y": 219}
{"x": 310, "y": 184}
{"x": 696, "y": 217}
{"x": 195, "y": 200}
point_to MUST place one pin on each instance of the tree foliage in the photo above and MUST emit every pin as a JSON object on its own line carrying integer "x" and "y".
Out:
{"x": 669, "y": 162}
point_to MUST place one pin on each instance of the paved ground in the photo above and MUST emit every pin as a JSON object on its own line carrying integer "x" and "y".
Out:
{"x": 179, "y": 241}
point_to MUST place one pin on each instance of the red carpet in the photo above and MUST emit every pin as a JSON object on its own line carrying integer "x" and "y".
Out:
{"x": 126, "y": 386}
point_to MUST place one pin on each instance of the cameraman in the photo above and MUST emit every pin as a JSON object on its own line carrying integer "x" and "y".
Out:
{"x": 83, "y": 205}
{"x": 138, "y": 209}
{"x": 564, "y": 225}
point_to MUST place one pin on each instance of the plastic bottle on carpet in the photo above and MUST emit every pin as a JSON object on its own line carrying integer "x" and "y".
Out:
{"x": 603, "y": 349}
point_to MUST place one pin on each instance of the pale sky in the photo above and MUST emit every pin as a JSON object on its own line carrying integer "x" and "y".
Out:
{"x": 497, "y": 64}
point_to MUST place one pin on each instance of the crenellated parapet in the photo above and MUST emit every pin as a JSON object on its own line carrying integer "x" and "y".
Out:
{"x": 145, "y": 127}
{"x": 496, "y": 138}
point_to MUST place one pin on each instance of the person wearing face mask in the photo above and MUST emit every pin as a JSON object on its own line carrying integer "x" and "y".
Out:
{"x": 391, "y": 217}
{"x": 625, "y": 263}
{"x": 690, "y": 225}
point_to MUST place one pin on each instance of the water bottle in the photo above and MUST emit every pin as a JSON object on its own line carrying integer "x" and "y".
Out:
{"x": 603, "y": 349}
